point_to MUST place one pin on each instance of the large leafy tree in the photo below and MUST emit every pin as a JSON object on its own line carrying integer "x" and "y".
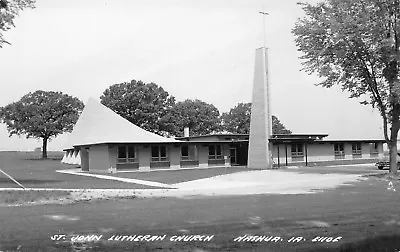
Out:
{"x": 42, "y": 115}
{"x": 237, "y": 121}
{"x": 278, "y": 127}
{"x": 355, "y": 44}
{"x": 201, "y": 118}
{"x": 9, "y": 9}
{"x": 140, "y": 103}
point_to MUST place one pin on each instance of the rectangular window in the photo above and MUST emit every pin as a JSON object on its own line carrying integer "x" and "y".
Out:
{"x": 154, "y": 151}
{"x": 356, "y": 150}
{"x": 211, "y": 150}
{"x": 297, "y": 150}
{"x": 159, "y": 153}
{"x": 339, "y": 150}
{"x": 356, "y": 147}
{"x": 215, "y": 152}
{"x": 122, "y": 152}
{"x": 185, "y": 152}
{"x": 188, "y": 152}
{"x": 374, "y": 149}
{"x": 218, "y": 150}
{"x": 131, "y": 154}
{"x": 126, "y": 154}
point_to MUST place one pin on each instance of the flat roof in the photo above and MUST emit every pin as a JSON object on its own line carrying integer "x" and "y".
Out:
{"x": 298, "y": 135}
{"x": 272, "y": 140}
{"x": 351, "y": 140}
{"x": 303, "y": 136}
{"x": 213, "y": 135}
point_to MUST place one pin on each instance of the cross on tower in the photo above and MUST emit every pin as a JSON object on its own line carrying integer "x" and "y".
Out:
{"x": 264, "y": 14}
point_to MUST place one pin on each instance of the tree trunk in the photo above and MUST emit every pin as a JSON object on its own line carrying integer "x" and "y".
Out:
{"x": 393, "y": 156}
{"x": 393, "y": 146}
{"x": 44, "y": 148}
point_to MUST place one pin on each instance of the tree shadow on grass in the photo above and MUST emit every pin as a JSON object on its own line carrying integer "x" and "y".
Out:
{"x": 379, "y": 243}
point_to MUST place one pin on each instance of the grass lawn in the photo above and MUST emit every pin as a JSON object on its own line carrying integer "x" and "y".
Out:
{"x": 33, "y": 172}
{"x": 364, "y": 214}
{"x": 23, "y": 196}
{"x": 37, "y": 155}
{"x": 177, "y": 176}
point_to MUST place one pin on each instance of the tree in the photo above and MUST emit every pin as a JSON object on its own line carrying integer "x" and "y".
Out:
{"x": 201, "y": 118}
{"x": 42, "y": 115}
{"x": 278, "y": 127}
{"x": 140, "y": 103}
{"x": 237, "y": 121}
{"x": 355, "y": 44}
{"x": 9, "y": 9}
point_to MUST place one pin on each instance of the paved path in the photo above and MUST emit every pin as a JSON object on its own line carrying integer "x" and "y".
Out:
{"x": 265, "y": 182}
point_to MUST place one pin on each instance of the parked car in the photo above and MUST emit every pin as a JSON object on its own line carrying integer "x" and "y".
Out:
{"x": 385, "y": 163}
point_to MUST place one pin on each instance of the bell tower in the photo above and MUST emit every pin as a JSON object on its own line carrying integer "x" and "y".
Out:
{"x": 259, "y": 155}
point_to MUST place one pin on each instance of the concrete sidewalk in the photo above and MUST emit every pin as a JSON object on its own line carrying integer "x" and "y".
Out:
{"x": 265, "y": 182}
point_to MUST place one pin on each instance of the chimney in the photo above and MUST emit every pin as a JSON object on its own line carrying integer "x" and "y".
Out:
{"x": 186, "y": 132}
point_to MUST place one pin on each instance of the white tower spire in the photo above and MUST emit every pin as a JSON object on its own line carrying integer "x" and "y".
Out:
{"x": 261, "y": 119}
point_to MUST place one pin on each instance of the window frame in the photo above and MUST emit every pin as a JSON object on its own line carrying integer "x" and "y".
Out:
{"x": 185, "y": 157}
{"x": 214, "y": 155}
{"x": 128, "y": 159}
{"x": 374, "y": 148}
{"x": 159, "y": 158}
{"x": 357, "y": 152}
{"x": 188, "y": 157}
{"x": 339, "y": 152}
{"x": 299, "y": 152}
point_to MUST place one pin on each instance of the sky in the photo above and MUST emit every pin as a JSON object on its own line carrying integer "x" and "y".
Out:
{"x": 196, "y": 49}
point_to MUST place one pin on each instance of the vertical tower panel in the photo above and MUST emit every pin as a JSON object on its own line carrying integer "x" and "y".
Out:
{"x": 259, "y": 155}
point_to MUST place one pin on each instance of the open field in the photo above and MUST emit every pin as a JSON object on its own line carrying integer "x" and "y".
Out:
{"x": 33, "y": 172}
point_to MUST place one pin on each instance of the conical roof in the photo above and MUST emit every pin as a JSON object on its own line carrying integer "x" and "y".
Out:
{"x": 98, "y": 124}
